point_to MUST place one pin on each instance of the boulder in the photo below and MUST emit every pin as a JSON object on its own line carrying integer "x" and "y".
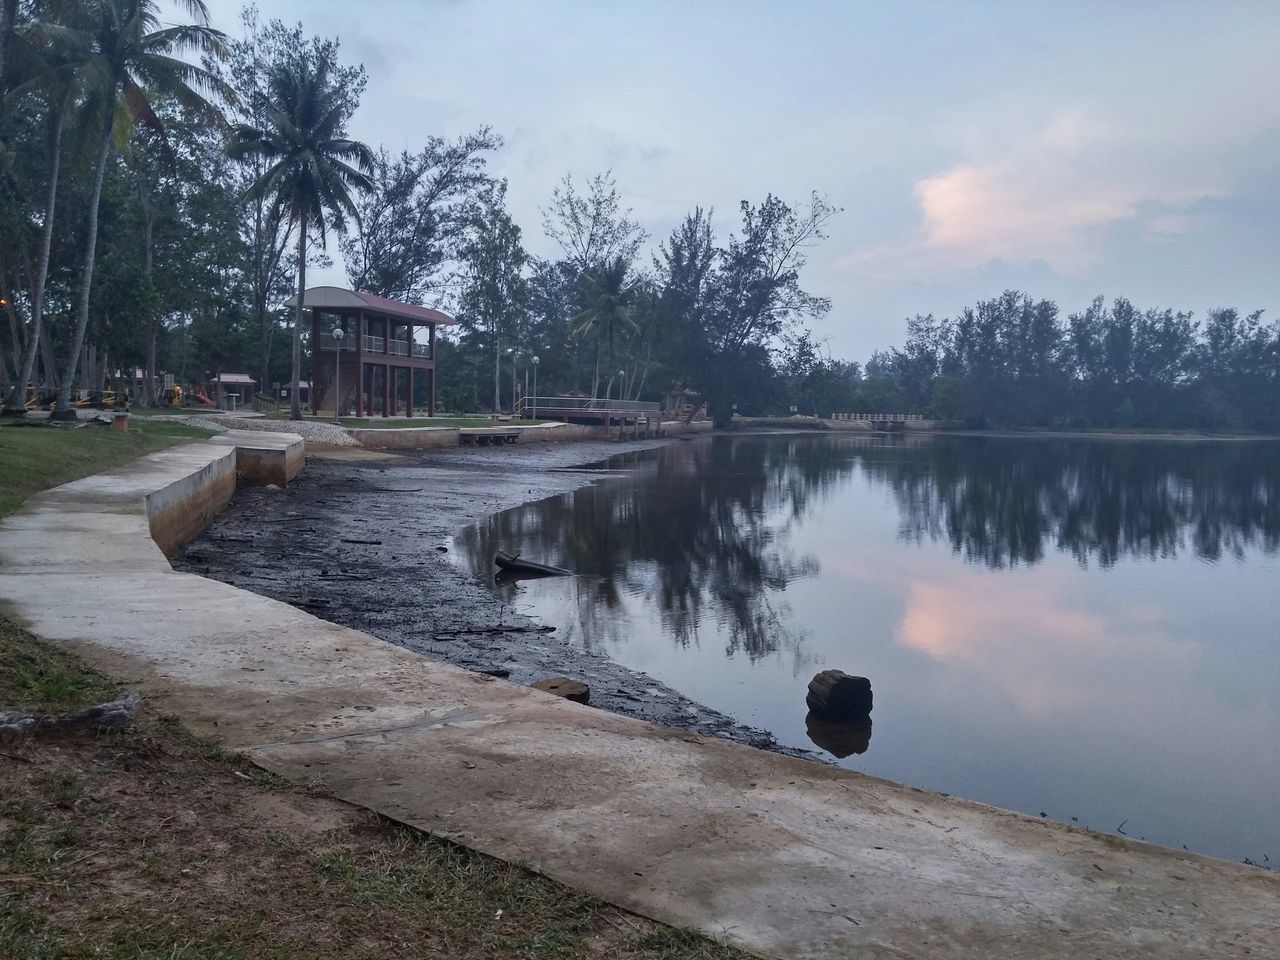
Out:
{"x": 835, "y": 695}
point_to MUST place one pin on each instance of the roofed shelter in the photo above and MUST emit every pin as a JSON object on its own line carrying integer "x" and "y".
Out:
{"x": 385, "y": 345}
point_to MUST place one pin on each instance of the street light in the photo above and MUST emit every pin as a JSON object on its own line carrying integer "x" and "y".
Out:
{"x": 338, "y": 334}
{"x": 534, "y": 359}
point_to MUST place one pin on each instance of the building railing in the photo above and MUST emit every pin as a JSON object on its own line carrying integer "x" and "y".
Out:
{"x": 328, "y": 343}
{"x": 912, "y": 417}
{"x": 395, "y": 347}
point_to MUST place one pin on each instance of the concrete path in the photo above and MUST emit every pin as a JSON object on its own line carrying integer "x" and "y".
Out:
{"x": 785, "y": 857}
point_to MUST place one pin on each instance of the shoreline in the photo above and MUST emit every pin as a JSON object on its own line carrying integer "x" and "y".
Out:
{"x": 357, "y": 539}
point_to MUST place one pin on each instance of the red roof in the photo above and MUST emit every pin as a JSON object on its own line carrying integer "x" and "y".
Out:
{"x": 339, "y": 298}
{"x": 407, "y": 311}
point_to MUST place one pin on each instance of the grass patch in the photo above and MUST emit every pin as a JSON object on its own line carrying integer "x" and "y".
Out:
{"x": 155, "y": 843}
{"x": 35, "y": 676}
{"x": 36, "y": 455}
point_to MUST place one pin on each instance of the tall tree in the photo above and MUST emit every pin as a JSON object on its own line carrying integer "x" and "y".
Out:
{"x": 494, "y": 295}
{"x": 265, "y": 225}
{"x": 54, "y": 58}
{"x": 416, "y": 219}
{"x": 313, "y": 166}
{"x": 734, "y": 308}
{"x": 592, "y": 228}
{"x": 133, "y": 59}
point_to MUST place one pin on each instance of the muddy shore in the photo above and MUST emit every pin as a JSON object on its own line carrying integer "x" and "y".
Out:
{"x": 359, "y": 539}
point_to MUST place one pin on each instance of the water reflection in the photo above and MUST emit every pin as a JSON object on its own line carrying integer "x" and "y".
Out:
{"x": 1050, "y": 620}
{"x": 692, "y": 549}
{"x": 701, "y": 529}
{"x": 1003, "y": 502}
{"x": 840, "y": 738}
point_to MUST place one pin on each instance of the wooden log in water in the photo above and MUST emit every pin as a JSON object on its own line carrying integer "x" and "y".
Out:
{"x": 836, "y": 695}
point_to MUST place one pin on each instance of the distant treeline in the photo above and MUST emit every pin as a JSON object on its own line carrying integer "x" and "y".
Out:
{"x": 1015, "y": 361}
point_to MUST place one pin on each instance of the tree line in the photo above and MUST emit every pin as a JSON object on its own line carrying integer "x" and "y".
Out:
{"x": 1016, "y": 361}
{"x": 164, "y": 189}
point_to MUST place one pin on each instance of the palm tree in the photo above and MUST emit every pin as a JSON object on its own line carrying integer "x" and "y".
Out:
{"x": 609, "y": 298}
{"x": 313, "y": 166}
{"x": 132, "y": 60}
{"x": 52, "y": 57}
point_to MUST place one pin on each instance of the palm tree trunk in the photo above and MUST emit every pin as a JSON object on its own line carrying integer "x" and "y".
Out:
{"x": 65, "y": 411}
{"x": 153, "y": 319}
{"x": 17, "y": 399}
{"x": 295, "y": 401}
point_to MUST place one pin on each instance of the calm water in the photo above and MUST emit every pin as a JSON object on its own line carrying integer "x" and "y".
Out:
{"x": 1084, "y": 629}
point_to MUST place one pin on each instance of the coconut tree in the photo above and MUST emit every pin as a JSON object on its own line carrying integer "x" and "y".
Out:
{"x": 312, "y": 165}
{"x": 132, "y": 59}
{"x": 52, "y": 57}
{"x": 609, "y": 298}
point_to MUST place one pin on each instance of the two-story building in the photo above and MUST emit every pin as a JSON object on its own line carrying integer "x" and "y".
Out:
{"x": 386, "y": 347}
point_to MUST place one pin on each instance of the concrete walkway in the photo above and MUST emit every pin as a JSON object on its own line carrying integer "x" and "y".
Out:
{"x": 784, "y": 857}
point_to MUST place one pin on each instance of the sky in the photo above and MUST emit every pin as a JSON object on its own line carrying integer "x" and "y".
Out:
{"x": 1067, "y": 149}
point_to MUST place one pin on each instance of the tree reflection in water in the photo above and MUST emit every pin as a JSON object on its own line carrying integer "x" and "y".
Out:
{"x": 698, "y": 531}
{"x": 1002, "y": 502}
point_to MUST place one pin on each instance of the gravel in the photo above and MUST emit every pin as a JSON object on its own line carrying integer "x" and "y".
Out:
{"x": 317, "y": 431}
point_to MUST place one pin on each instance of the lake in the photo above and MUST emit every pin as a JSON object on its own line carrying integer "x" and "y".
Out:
{"x": 1084, "y": 629}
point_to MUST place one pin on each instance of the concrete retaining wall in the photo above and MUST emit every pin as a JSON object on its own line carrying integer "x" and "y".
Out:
{"x": 180, "y": 510}
{"x": 408, "y": 438}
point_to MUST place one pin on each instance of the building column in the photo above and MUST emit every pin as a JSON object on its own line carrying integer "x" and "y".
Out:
{"x": 431, "y": 392}
{"x": 315, "y": 362}
{"x": 408, "y": 392}
{"x": 386, "y": 388}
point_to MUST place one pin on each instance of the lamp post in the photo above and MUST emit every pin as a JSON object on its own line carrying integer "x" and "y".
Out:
{"x": 534, "y": 360}
{"x": 338, "y": 334}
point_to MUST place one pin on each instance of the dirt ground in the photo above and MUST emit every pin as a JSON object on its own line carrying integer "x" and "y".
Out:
{"x": 361, "y": 540}
{"x": 151, "y": 843}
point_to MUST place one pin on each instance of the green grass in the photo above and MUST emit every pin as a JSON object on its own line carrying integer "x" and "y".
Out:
{"x": 36, "y": 455}
{"x": 36, "y": 676}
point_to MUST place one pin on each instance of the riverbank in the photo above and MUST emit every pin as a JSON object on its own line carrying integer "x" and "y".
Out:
{"x": 365, "y": 539}
{"x": 157, "y": 843}
{"x": 682, "y": 828}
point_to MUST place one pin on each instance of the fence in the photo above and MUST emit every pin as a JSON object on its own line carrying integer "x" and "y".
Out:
{"x": 905, "y": 417}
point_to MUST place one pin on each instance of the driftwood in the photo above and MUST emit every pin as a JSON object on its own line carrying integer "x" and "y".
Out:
{"x": 834, "y": 695}
{"x": 111, "y": 715}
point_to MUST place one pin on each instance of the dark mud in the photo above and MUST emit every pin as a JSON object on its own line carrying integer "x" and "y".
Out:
{"x": 360, "y": 540}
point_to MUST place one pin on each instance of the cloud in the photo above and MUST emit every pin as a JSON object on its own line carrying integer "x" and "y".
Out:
{"x": 1022, "y": 636}
{"x": 1034, "y": 175}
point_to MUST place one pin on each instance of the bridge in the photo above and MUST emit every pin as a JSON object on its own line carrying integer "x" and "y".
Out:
{"x": 592, "y": 410}
{"x": 886, "y": 422}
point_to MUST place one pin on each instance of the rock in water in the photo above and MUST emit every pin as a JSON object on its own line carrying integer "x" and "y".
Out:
{"x": 573, "y": 690}
{"x": 835, "y": 695}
